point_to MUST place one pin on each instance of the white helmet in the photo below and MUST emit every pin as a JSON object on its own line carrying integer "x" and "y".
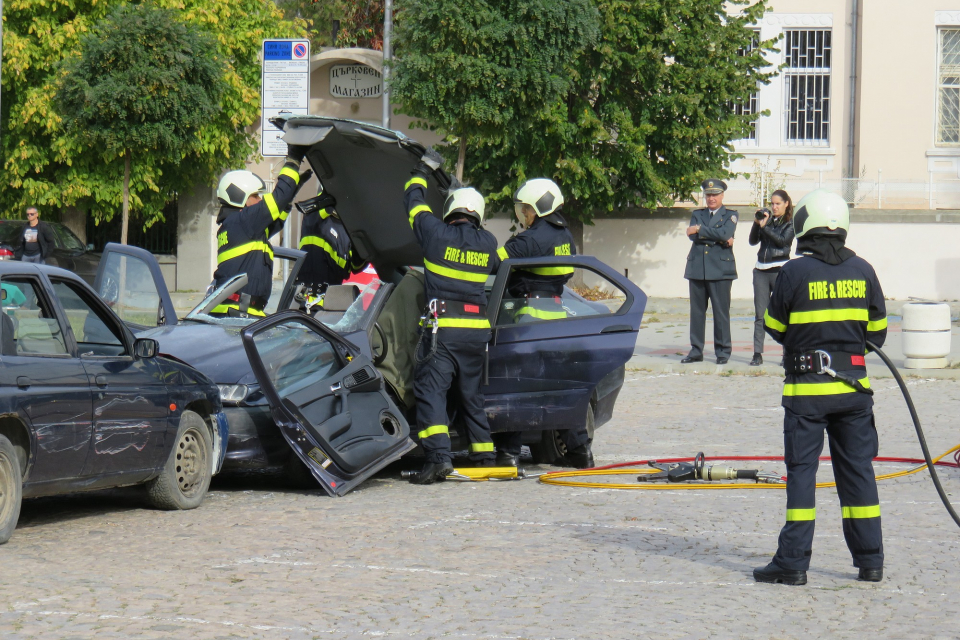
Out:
{"x": 540, "y": 193}
{"x": 236, "y": 186}
{"x": 466, "y": 200}
{"x": 823, "y": 210}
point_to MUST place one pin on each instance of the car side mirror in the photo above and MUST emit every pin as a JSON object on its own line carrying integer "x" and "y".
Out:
{"x": 145, "y": 348}
{"x": 90, "y": 247}
{"x": 339, "y": 297}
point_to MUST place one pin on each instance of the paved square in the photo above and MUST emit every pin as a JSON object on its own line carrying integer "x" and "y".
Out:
{"x": 503, "y": 560}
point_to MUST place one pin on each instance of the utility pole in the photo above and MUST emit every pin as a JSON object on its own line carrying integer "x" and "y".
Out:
{"x": 387, "y": 28}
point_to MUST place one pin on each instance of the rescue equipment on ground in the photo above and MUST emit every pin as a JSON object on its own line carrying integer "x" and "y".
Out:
{"x": 684, "y": 471}
{"x": 685, "y": 475}
{"x": 481, "y": 474}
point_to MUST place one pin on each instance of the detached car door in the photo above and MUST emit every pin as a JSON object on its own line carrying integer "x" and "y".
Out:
{"x": 327, "y": 398}
{"x": 551, "y": 358}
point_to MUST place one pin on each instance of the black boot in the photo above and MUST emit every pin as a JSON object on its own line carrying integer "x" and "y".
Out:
{"x": 757, "y": 360}
{"x": 431, "y": 472}
{"x": 776, "y": 574}
{"x": 505, "y": 459}
{"x": 870, "y": 575}
{"x": 579, "y": 458}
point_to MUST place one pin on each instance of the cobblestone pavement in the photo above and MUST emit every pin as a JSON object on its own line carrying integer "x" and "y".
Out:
{"x": 502, "y": 560}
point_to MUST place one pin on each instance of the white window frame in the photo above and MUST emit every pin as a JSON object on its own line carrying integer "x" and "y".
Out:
{"x": 753, "y": 103}
{"x": 940, "y": 140}
{"x": 814, "y": 74}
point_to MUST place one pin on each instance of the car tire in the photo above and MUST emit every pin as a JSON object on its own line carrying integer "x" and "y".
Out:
{"x": 186, "y": 476}
{"x": 11, "y": 489}
{"x": 297, "y": 475}
{"x": 551, "y": 446}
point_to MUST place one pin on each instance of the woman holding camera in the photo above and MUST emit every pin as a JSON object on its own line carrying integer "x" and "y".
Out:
{"x": 773, "y": 231}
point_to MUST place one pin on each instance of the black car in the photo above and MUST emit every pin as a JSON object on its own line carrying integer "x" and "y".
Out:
{"x": 84, "y": 404}
{"x": 68, "y": 252}
{"x": 339, "y": 385}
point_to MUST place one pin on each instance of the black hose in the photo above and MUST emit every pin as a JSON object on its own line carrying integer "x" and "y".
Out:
{"x": 920, "y": 436}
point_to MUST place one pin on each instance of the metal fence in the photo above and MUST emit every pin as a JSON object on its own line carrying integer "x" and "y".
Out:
{"x": 160, "y": 238}
{"x": 863, "y": 193}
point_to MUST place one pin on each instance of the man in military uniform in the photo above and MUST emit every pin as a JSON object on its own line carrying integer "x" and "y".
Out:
{"x": 247, "y": 219}
{"x": 825, "y": 307}
{"x": 711, "y": 270}
{"x": 458, "y": 255}
{"x": 330, "y": 259}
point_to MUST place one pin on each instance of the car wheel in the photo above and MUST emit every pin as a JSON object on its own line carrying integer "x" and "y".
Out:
{"x": 297, "y": 475}
{"x": 552, "y": 447}
{"x": 11, "y": 489}
{"x": 186, "y": 476}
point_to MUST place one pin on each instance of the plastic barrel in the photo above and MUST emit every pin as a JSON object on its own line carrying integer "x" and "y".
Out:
{"x": 926, "y": 335}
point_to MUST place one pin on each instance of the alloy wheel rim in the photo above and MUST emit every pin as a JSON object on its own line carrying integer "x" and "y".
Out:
{"x": 190, "y": 462}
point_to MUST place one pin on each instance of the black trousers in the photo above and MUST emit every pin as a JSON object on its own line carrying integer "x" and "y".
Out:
{"x": 718, "y": 293}
{"x": 460, "y": 364}
{"x": 853, "y": 445}
{"x": 510, "y": 442}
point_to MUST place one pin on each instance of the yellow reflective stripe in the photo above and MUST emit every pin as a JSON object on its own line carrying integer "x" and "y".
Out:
{"x": 481, "y": 447}
{"x": 772, "y": 322}
{"x": 275, "y": 212}
{"x": 323, "y": 214}
{"x": 463, "y": 323}
{"x": 420, "y": 208}
{"x": 323, "y": 244}
{"x": 873, "y": 511}
{"x": 230, "y": 254}
{"x": 415, "y": 180}
{"x": 821, "y": 388}
{"x": 877, "y": 325}
{"x": 290, "y": 173}
{"x": 540, "y": 313}
{"x": 435, "y": 430}
{"x": 799, "y": 515}
{"x": 502, "y": 253}
{"x": 549, "y": 271}
{"x": 828, "y": 315}
{"x": 223, "y": 308}
{"x": 454, "y": 273}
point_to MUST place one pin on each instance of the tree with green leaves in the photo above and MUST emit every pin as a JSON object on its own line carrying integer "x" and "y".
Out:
{"x": 44, "y": 164}
{"x": 479, "y": 69}
{"x": 360, "y": 21}
{"x": 142, "y": 87}
{"x": 648, "y": 114}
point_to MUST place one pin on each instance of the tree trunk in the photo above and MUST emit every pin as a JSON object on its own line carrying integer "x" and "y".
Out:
{"x": 126, "y": 196}
{"x": 461, "y": 157}
{"x": 75, "y": 220}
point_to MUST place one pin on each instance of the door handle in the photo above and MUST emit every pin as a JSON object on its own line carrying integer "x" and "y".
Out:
{"x": 101, "y": 380}
{"x": 23, "y": 382}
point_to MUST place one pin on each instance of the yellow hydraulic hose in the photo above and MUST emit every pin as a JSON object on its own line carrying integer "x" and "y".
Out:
{"x": 555, "y": 479}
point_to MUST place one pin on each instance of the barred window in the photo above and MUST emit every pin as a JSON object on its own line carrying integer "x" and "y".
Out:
{"x": 808, "y": 54}
{"x": 749, "y": 106}
{"x": 948, "y": 86}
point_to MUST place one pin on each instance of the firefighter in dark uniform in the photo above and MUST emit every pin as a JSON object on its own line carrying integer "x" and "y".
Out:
{"x": 458, "y": 255}
{"x": 537, "y": 206}
{"x": 330, "y": 259}
{"x": 247, "y": 221}
{"x": 711, "y": 270}
{"x": 825, "y": 306}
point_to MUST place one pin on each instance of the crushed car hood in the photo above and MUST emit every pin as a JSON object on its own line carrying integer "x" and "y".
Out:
{"x": 214, "y": 350}
{"x": 365, "y": 167}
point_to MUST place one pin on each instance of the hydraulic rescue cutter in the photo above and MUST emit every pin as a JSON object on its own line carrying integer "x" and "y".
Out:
{"x": 685, "y": 472}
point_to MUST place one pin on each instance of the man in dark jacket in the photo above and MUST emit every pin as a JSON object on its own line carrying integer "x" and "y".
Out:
{"x": 825, "y": 307}
{"x": 247, "y": 221}
{"x": 711, "y": 270}
{"x": 458, "y": 255}
{"x": 35, "y": 242}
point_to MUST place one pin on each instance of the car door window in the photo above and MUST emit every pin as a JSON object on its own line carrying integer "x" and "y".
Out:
{"x": 95, "y": 331}
{"x": 557, "y": 293}
{"x": 29, "y": 319}
{"x": 67, "y": 240}
{"x": 129, "y": 289}
{"x": 295, "y": 357}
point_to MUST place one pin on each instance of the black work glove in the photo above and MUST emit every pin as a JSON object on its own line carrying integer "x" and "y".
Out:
{"x": 296, "y": 152}
{"x": 322, "y": 201}
{"x": 429, "y": 162}
{"x": 454, "y": 185}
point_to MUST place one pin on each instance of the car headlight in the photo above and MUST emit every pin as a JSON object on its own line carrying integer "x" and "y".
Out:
{"x": 232, "y": 394}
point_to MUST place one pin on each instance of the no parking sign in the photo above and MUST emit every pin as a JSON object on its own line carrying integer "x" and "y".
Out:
{"x": 285, "y": 86}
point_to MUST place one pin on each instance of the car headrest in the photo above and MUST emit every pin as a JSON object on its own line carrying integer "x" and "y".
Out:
{"x": 339, "y": 297}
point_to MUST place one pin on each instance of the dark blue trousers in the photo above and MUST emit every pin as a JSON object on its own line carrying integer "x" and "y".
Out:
{"x": 853, "y": 445}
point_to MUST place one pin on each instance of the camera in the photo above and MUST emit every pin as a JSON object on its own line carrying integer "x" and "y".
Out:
{"x": 762, "y": 213}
